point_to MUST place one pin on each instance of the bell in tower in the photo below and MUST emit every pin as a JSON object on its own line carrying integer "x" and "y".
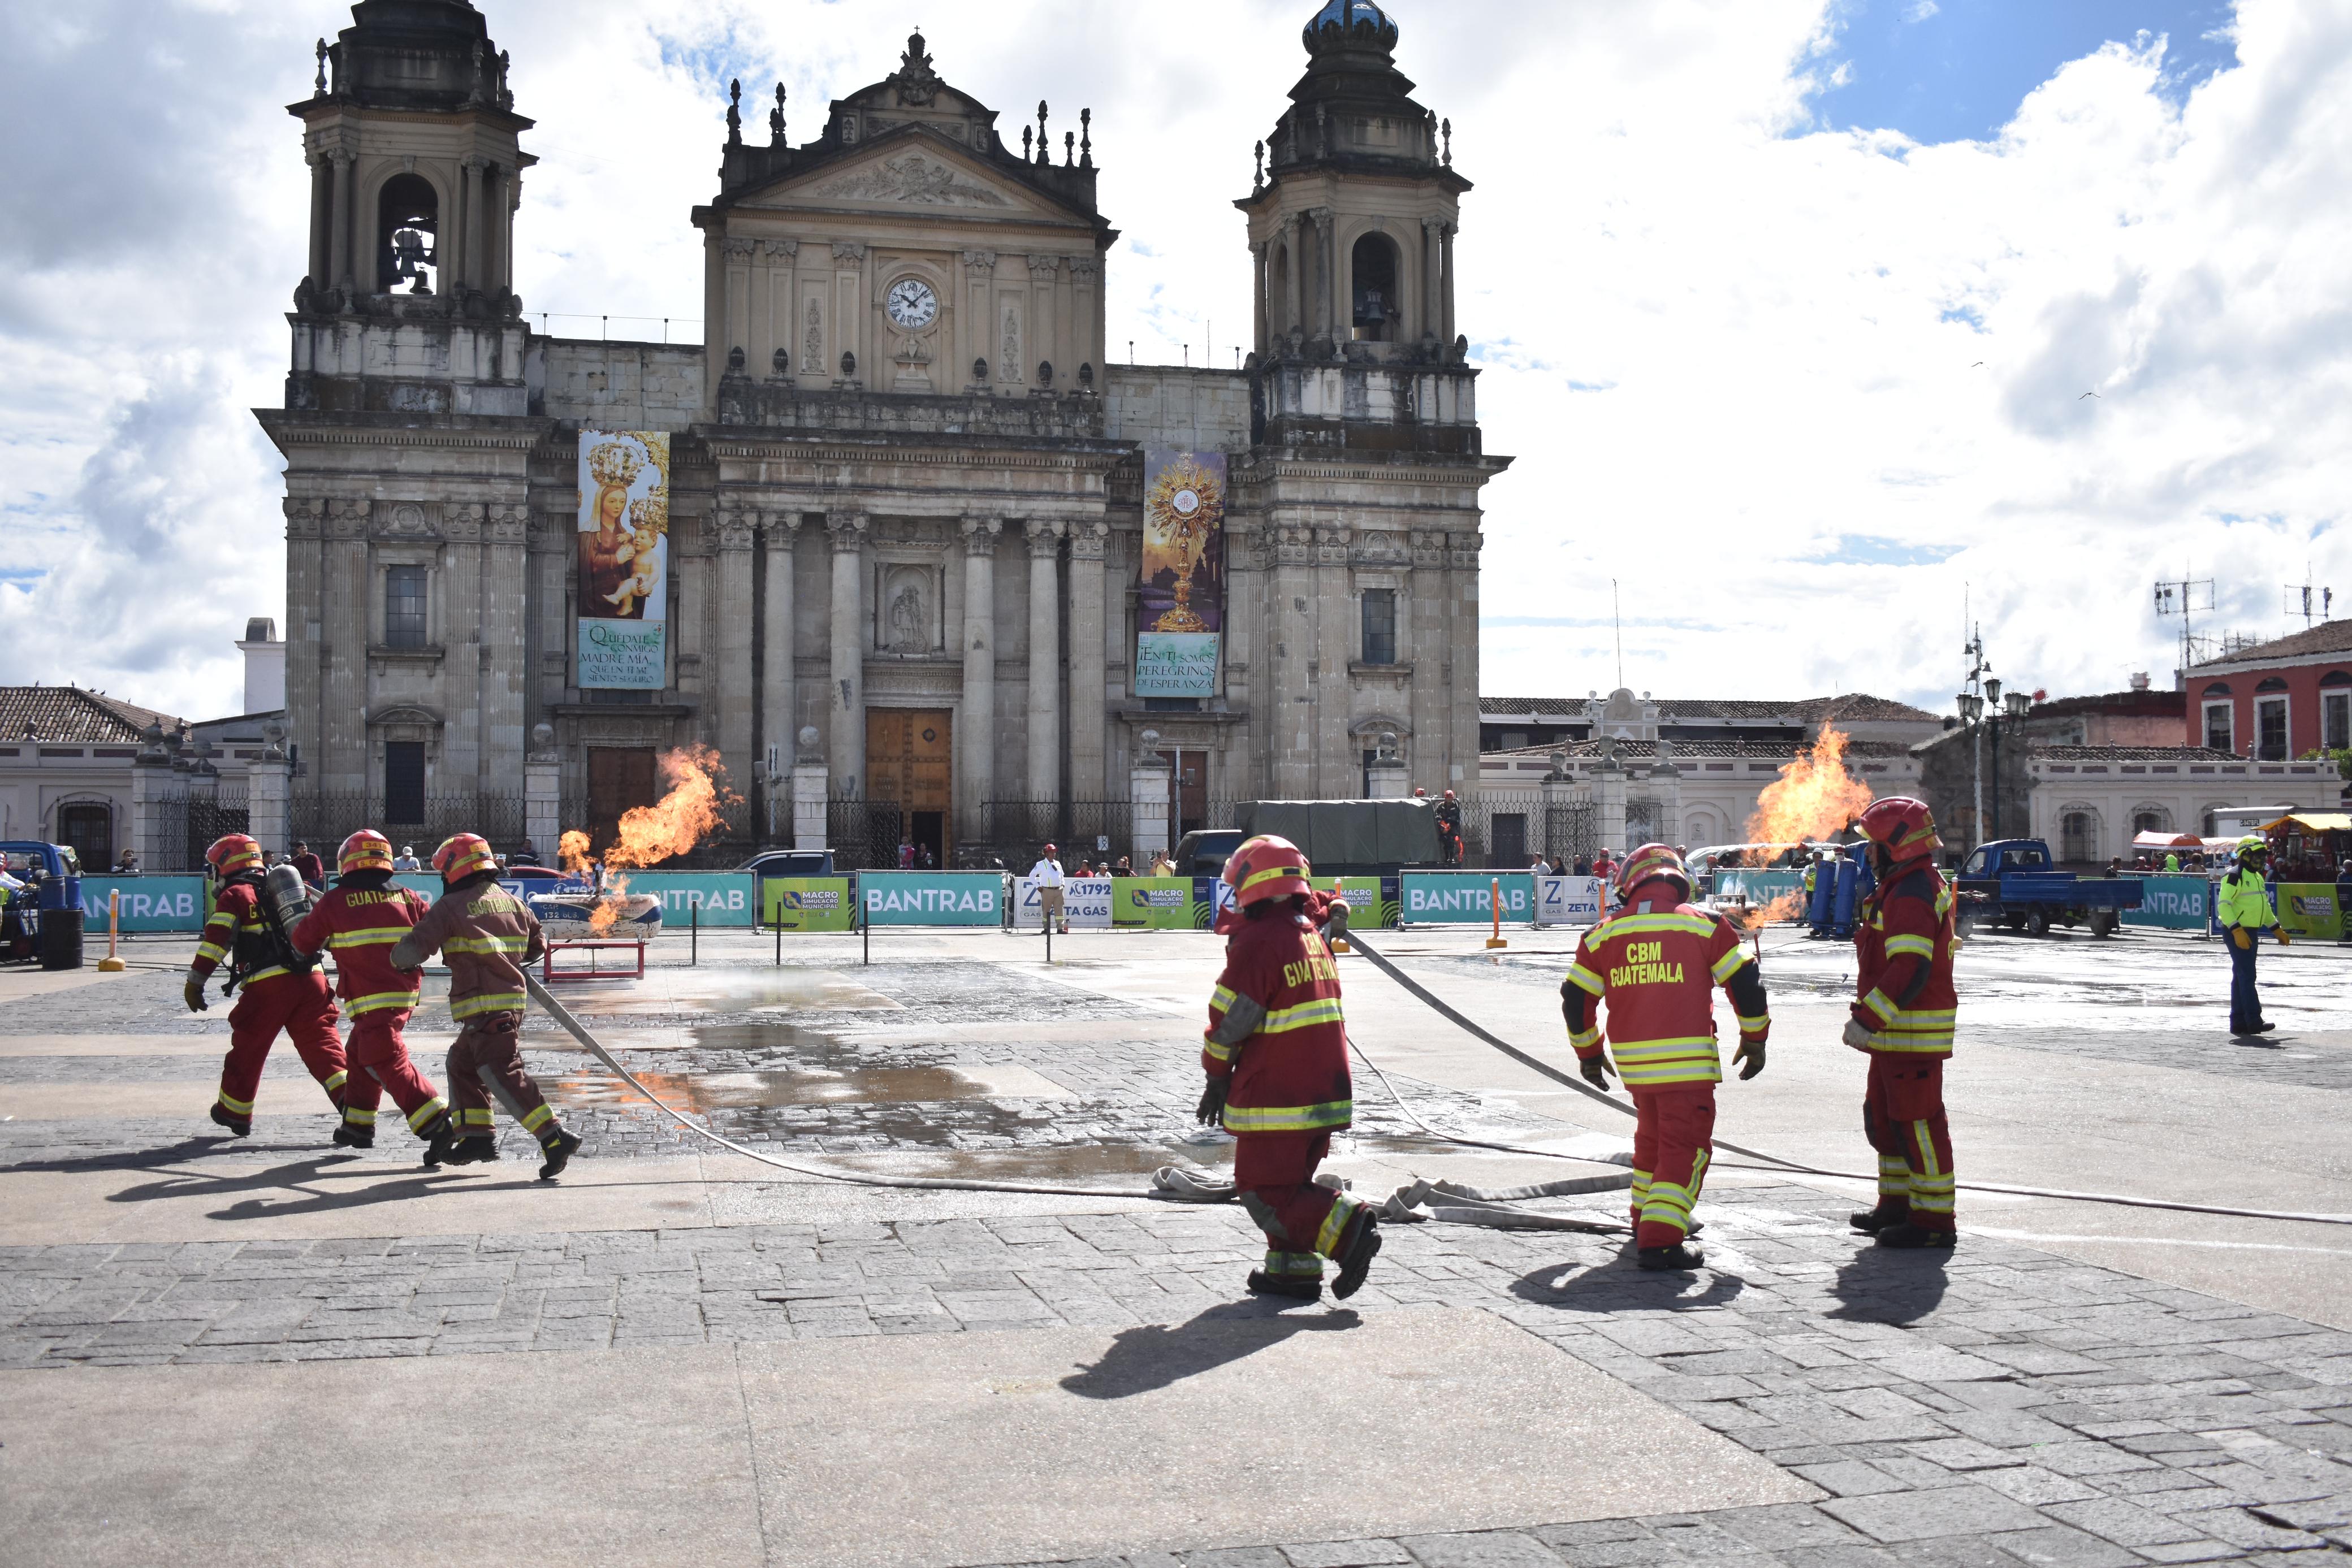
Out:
{"x": 1353, "y": 207}
{"x": 417, "y": 169}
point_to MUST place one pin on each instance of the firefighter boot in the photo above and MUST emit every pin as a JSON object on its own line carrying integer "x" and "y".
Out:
{"x": 1871, "y": 1221}
{"x": 1680, "y": 1257}
{"x": 349, "y": 1137}
{"x": 238, "y": 1127}
{"x": 440, "y": 1141}
{"x": 472, "y": 1151}
{"x": 1262, "y": 1283}
{"x": 1907, "y": 1234}
{"x": 560, "y": 1147}
{"x": 1356, "y": 1254}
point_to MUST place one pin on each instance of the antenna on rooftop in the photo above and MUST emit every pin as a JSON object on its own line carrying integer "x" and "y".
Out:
{"x": 2310, "y": 603}
{"x": 2187, "y": 597}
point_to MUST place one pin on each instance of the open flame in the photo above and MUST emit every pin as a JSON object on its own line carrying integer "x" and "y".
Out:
{"x": 1814, "y": 797}
{"x": 690, "y": 811}
{"x": 1789, "y": 905}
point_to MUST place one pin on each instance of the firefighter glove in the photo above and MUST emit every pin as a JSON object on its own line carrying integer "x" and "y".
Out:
{"x": 1750, "y": 1052}
{"x": 1595, "y": 1069}
{"x": 2281, "y": 935}
{"x": 2238, "y": 934}
{"x": 1335, "y": 924}
{"x": 1212, "y": 1108}
{"x": 193, "y": 993}
{"x": 1857, "y": 1034}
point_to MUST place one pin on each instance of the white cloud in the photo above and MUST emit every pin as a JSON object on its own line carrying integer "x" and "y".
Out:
{"x": 1920, "y": 11}
{"x": 1722, "y": 351}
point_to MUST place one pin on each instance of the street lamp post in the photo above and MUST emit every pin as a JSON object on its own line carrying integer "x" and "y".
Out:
{"x": 1972, "y": 708}
{"x": 1992, "y": 717}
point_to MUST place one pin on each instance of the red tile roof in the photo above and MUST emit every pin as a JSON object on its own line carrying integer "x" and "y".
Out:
{"x": 65, "y": 715}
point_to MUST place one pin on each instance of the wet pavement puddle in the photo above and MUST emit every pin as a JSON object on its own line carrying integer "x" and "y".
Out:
{"x": 723, "y": 991}
{"x": 774, "y": 1089}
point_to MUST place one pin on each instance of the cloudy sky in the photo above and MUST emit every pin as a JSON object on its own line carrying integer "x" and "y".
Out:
{"x": 1787, "y": 306}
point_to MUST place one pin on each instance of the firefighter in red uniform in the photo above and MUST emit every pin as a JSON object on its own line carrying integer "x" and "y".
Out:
{"x": 1904, "y": 944}
{"x": 358, "y": 922}
{"x": 486, "y": 936}
{"x": 273, "y": 994}
{"x": 1656, "y": 963}
{"x": 1276, "y": 1055}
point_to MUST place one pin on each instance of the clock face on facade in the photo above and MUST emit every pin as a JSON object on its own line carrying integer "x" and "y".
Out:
{"x": 911, "y": 304}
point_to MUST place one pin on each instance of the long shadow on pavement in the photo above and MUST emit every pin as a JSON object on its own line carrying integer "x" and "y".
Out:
{"x": 1618, "y": 1286}
{"x": 1156, "y": 1355}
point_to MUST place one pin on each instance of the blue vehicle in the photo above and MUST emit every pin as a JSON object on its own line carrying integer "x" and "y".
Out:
{"x": 2015, "y": 883}
{"x": 43, "y": 917}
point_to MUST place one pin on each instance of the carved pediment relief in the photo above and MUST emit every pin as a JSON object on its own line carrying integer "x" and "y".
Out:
{"x": 911, "y": 178}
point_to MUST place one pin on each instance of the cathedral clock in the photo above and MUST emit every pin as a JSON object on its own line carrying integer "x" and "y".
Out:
{"x": 911, "y": 304}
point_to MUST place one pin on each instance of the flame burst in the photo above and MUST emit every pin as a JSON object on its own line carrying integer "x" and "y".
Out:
{"x": 1814, "y": 797}
{"x": 572, "y": 853}
{"x": 649, "y": 835}
{"x": 1755, "y": 917}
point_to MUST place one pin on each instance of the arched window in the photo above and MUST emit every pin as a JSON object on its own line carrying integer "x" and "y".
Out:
{"x": 2273, "y": 683}
{"x": 2150, "y": 818}
{"x": 408, "y": 222}
{"x": 2078, "y": 834}
{"x": 1378, "y": 307}
{"x": 89, "y": 827}
{"x": 2218, "y": 689}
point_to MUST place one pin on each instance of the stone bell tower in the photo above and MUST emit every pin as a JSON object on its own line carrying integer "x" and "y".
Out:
{"x": 1353, "y": 216}
{"x": 416, "y": 173}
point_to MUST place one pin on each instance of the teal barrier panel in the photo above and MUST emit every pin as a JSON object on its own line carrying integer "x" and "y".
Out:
{"x": 932, "y": 897}
{"x": 1756, "y": 886}
{"x": 148, "y": 904}
{"x": 2173, "y": 903}
{"x": 707, "y": 898}
{"x": 1465, "y": 898}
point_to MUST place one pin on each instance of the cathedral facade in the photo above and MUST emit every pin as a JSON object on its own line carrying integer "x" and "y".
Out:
{"x": 899, "y": 510}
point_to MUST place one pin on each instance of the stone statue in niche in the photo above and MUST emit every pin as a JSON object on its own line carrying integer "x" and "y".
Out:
{"x": 907, "y": 630}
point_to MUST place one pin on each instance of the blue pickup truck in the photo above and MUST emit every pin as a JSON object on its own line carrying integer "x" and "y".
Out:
{"x": 2014, "y": 883}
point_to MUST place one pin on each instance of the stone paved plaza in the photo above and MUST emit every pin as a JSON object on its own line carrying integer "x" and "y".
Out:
{"x": 676, "y": 1355}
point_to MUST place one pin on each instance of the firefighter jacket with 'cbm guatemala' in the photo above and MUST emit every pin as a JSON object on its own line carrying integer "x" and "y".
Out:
{"x": 486, "y": 936}
{"x": 238, "y": 930}
{"x": 1903, "y": 946}
{"x": 1657, "y": 968}
{"x": 1290, "y": 1076}
{"x": 359, "y": 927}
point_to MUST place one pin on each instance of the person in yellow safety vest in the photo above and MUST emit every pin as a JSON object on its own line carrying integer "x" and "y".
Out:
{"x": 2172, "y": 862}
{"x": 2243, "y": 908}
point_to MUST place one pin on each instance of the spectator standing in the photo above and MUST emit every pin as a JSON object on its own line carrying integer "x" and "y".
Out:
{"x": 1047, "y": 876}
{"x": 906, "y": 854}
{"x": 128, "y": 864}
{"x": 1161, "y": 865}
{"x": 309, "y": 865}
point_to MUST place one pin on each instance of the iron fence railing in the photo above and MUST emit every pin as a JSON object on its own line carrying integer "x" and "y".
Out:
{"x": 324, "y": 819}
{"x": 864, "y": 834}
{"x": 190, "y": 820}
{"x": 1508, "y": 831}
{"x": 1095, "y": 831}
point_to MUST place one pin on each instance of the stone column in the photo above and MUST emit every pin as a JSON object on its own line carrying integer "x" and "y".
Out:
{"x": 340, "y": 764}
{"x": 1337, "y": 764}
{"x": 779, "y": 704}
{"x": 1666, "y": 787}
{"x": 322, "y": 218}
{"x": 338, "y": 236}
{"x": 1293, "y": 284}
{"x": 1445, "y": 285}
{"x": 733, "y": 676}
{"x": 476, "y": 169}
{"x": 845, "y": 700}
{"x": 1150, "y": 792}
{"x": 267, "y": 784}
{"x": 1611, "y": 795}
{"x": 542, "y": 794}
{"x": 1088, "y": 660}
{"x": 976, "y": 732}
{"x": 1257, "y": 294}
{"x": 504, "y": 634}
{"x": 1433, "y": 266}
{"x": 1327, "y": 287}
{"x": 160, "y": 850}
{"x": 1044, "y": 774}
{"x": 809, "y": 795}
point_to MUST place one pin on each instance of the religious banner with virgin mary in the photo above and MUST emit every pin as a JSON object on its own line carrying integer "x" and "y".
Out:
{"x": 624, "y": 593}
{"x": 1182, "y": 595}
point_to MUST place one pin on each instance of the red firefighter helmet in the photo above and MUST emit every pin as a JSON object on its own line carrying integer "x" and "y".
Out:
{"x": 461, "y": 856}
{"x": 233, "y": 852}
{"x": 1267, "y": 866}
{"x": 1449, "y": 794}
{"x": 1651, "y": 863}
{"x": 1901, "y": 826}
{"x": 366, "y": 850}
{"x": 1051, "y": 852}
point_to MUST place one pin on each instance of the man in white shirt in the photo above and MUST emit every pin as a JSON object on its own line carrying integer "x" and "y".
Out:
{"x": 405, "y": 859}
{"x": 1047, "y": 875}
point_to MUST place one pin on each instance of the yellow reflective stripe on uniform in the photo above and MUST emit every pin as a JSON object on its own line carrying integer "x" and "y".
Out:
{"x": 1306, "y": 1015}
{"x": 1915, "y": 947}
{"x": 1727, "y": 966}
{"x": 264, "y": 975}
{"x": 1289, "y": 1118}
{"x": 1688, "y": 1059}
{"x": 486, "y": 945}
{"x": 212, "y": 950}
{"x": 380, "y": 1001}
{"x": 1215, "y": 1050}
{"x": 539, "y": 1117}
{"x": 374, "y": 936}
{"x": 356, "y": 1117}
{"x": 1878, "y": 1003}
{"x": 242, "y": 1107}
{"x": 1585, "y": 980}
{"x": 1223, "y": 997}
{"x": 1639, "y": 925}
{"x": 491, "y": 1002}
{"x": 424, "y": 1115}
{"x": 475, "y": 1116}
{"x": 1750, "y": 1025}
{"x": 1269, "y": 875}
{"x": 1584, "y": 1038}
